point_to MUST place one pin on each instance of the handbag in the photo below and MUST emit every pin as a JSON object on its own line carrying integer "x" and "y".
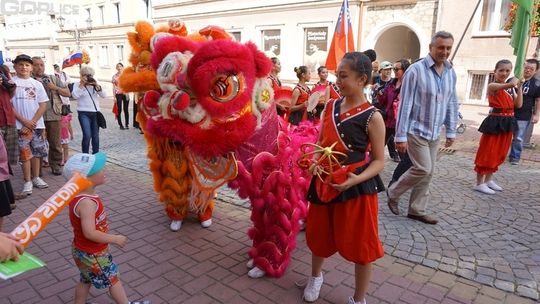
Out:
{"x": 101, "y": 121}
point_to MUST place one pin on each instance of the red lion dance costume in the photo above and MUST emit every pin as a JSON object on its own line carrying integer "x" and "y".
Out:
{"x": 209, "y": 119}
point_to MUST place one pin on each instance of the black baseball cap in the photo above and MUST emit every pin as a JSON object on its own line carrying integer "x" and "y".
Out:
{"x": 23, "y": 57}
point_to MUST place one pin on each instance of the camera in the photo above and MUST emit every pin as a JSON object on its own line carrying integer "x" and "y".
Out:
{"x": 5, "y": 82}
{"x": 90, "y": 79}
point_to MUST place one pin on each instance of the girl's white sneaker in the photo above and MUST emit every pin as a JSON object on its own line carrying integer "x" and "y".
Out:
{"x": 484, "y": 189}
{"x": 313, "y": 288}
{"x": 491, "y": 184}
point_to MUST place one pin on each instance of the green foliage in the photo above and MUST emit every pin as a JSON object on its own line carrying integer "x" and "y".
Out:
{"x": 512, "y": 16}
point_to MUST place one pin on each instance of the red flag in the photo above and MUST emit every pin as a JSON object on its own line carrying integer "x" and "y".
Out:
{"x": 342, "y": 41}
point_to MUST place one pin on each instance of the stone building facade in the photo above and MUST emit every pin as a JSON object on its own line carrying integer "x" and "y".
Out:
{"x": 400, "y": 29}
{"x": 299, "y": 32}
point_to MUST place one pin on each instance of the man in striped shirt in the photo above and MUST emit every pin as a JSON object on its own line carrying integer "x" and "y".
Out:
{"x": 428, "y": 102}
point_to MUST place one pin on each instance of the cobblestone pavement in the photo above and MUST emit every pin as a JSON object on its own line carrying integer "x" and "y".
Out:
{"x": 485, "y": 249}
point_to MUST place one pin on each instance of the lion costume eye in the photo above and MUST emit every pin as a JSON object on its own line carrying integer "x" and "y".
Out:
{"x": 227, "y": 87}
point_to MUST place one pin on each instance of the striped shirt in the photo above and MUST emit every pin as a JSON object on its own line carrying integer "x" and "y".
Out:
{"x": 428, "y": 101}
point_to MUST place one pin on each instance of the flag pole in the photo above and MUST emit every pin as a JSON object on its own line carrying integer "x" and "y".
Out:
{"x": 346, "y": 22}
{"x": 530, "y": 29}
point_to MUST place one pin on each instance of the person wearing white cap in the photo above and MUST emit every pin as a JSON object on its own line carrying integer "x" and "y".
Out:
{"x": 91, "y": 241}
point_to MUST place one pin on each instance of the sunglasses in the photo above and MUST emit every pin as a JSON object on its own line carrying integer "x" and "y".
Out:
{"x": 396, "y": 69}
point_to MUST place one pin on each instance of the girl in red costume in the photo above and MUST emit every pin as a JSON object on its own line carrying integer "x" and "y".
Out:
{"x": 332, "y": 88}
{"x": 276, "y": 68}
{"x": 497, "y": 127}
{"x": 300, "y": 96}
{"x": 276, "y": 83}
{"x": 332, "y": 91}
{"x": 343, "y": 213}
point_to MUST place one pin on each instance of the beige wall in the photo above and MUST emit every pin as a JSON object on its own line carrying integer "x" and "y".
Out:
{"x": 477, "y": 52}
{"x": 251, "y": 17}
{"x": 370, "y": 20}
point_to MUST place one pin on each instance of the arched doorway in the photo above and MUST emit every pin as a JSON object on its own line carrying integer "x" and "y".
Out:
{"x": 397, "y": 42}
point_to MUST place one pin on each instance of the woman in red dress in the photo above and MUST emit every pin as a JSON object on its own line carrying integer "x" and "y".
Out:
{"x": 331, "y": 90}
{"x": 300, "y": 95}
{"x": 343, "y": 213}
{"x": 276, "y": 83}
{"x": 497, "y": 127}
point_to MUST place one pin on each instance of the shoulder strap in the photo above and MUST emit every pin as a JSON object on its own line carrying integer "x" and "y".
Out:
{"x": 334, "y": 86}
{"x": 93, "y": 102}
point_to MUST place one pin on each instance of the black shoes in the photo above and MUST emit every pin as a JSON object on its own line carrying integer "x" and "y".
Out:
{"x": 56, "y": 171}
{"x": 428, "y": 219}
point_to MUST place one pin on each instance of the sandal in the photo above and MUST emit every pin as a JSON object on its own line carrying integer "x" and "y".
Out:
{"x": 20, "y": 196}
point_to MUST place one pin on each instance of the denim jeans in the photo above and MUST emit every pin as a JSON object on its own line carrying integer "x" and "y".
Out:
{"x": 517, "y": 141}
{"x": 90, "y": 130}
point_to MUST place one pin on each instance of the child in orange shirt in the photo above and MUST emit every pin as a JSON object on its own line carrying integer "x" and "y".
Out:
{"x": 91, "y": 238}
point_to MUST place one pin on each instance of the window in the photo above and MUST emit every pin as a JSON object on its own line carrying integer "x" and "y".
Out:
{"x": 493, "y": 15}
{"x": 315, "y": 47}
{"x": 101, "y": 15}
{"x": 119, "y": 56}
{"x": 271, "y": 42}
{"x": 477, "y": 86}
{"x": 88, "y": 13}
{"x": 117, "y": 7}
{"x": 237, "y": 36}
{"x": 104, "y": 56}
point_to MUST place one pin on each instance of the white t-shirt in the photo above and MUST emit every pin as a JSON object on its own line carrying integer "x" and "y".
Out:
{"x": 28, "y": 95}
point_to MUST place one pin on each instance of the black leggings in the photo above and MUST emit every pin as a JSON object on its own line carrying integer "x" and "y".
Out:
{"x": 135, "y": 110}
{"x": 122, "y": 100}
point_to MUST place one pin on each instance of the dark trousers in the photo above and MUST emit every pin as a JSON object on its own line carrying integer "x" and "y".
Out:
{"x": 402, "y": 167}
{"x": 135, "y": 111}
{"x": 122, "y": 102}
{"x": 389, "y": 140}
{"x": 55, "y": 147}
{"x": 90, "y": 131}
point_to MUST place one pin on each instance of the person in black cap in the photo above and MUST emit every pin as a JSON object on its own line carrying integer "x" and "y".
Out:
{"x": 29, "y": 104}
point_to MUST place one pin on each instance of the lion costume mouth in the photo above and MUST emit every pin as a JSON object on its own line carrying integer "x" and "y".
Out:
{"x": 234, "y": 116}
